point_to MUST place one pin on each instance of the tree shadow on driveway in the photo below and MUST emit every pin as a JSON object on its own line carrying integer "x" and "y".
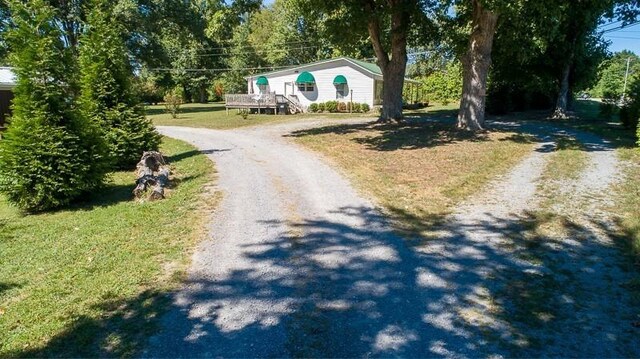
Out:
{"x": 365, "y": 292}
{"x": 350, "y": 292}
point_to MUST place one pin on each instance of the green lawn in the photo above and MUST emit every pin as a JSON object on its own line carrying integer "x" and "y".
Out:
{"x": 90, "y": 280}
{"x": 418, "y": 170}
{"x": 214, "y": 116}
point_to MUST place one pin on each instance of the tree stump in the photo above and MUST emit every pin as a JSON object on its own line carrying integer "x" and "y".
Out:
{"x": 152, "y": 172}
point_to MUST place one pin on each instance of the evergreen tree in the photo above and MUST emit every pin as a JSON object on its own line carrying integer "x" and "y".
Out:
{"x": 107, "y": 91}
{"x": 50, "y": 154}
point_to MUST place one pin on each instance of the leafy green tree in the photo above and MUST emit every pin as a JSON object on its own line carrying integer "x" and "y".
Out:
{"x": 444, "y": 85}
{"x": 612, "y": 71}
{"x": 51, "y": 154}
{"x": 389, "y": 25}
{"x": 107, "y": 93}
{"x": 5, "y": 23}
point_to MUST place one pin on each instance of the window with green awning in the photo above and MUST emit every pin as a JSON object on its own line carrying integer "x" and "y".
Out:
{"x": 340, "y": 80}
{"x": 262, "y": 81}
{"x": 305, "y": 78}
{"x": 306, "y": 82}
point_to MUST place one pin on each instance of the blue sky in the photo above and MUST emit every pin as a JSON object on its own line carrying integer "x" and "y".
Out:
{"x": 627, "y": 38}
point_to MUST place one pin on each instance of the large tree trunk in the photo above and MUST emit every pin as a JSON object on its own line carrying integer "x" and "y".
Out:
{"x": 393, "y": 64}
{"x": 393, "y": 77}
{"x": 475, "y": 68}
{"x": 562, "y": 103}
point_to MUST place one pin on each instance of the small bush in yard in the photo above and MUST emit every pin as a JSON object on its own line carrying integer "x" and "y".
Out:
{"x": 608, "y": 106}
{"x": 108, "y": 96}
{"x": 173, "y": 100}
{"x": 342, "y": 107}
{"x": 244, "y": 113}
{"x": 331, "y": 106}
{"x": 322, "y": 107}
{"x": 51, "y": 154}
{"x": 365, "y": 107}
{"x": 356, "y": 107}
{"x": 313, "y": 107}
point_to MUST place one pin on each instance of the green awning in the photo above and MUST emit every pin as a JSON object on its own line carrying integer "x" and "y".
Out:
{"x": 305, "y": 78}
{"x": 340, "y": 80}
{"x": 262, "y": 81}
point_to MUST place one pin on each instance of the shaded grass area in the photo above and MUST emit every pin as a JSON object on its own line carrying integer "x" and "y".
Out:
{"x": 90, "y": 280}
{"x": 628, "y": 200}
{"x": 556, "y": 293}
{"x": 419, "y": 169}
{"x": 214, "y": 116}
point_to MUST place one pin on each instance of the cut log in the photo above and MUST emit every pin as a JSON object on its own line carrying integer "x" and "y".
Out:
{"x": 152, "y": 159}
{"x": 150, "y": 163}
{"x": 162, "y": 180}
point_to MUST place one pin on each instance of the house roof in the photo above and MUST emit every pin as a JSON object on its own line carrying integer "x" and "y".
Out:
{"x": 366, "y": 66}
{"x": 7, "y": 76}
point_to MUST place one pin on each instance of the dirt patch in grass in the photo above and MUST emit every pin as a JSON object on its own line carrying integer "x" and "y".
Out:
{"x": 91, "y": 281}
{"x": 418, "y": 170}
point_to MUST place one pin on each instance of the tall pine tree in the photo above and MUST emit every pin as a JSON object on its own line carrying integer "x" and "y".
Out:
{"x": 50, "y": 154}
{"x": 107, "y": 91}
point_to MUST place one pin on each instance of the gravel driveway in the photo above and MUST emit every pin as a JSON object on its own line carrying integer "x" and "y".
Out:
{"x": 299, "y": 264}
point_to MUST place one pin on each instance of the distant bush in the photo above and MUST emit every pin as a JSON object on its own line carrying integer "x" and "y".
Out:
{"x": 608, "y": 105}
{"x": 244, "y": 113}
{"x": 173, "y": 100}
{"x": 336, "y": 106}
{"x": 444, "y": 85}
{"x": 331, "y": 106}
{"x": 629, "y": 117}
{"x": 216, "y": 92}
{"x": 630, "y": 111}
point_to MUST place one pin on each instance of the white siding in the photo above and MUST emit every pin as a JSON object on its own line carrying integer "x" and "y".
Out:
{"x": 359, "y": 81}
{"x": 7, "y": 78}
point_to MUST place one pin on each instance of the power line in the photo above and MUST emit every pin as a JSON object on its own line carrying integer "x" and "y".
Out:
{"x": 222, "y": 69}
{"x": 263, "y": 52}
{"x": 620, "y": 27}
{"x": 248, "y": 46}
{"x": 623, "y": 37}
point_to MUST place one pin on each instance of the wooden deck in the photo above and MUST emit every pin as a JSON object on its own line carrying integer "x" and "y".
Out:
{"x": 266, "y": 102}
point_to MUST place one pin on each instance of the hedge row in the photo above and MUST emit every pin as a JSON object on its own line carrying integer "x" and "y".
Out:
{"x": 336, "y": 106}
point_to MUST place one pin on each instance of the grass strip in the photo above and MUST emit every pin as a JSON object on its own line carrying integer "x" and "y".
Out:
{"x": 90, "y": 281}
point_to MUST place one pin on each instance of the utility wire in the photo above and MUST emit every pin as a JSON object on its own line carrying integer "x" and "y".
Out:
{"x": 620, "y": 27}
{"x": 222, "y": 69}
{"x": 257, "y": 52}
{"x": 249, "y": 46}
{"x": 623, "y": 37}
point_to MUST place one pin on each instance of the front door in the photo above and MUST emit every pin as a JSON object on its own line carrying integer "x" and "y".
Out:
{"x": 288, "y": 88}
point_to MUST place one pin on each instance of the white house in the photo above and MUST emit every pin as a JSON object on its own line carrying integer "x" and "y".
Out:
{"x": 342, "y": 79}
{"x": 7, "y": 83}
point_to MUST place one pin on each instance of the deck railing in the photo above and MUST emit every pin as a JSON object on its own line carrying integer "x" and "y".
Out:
{"x": 250, "y": 101}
